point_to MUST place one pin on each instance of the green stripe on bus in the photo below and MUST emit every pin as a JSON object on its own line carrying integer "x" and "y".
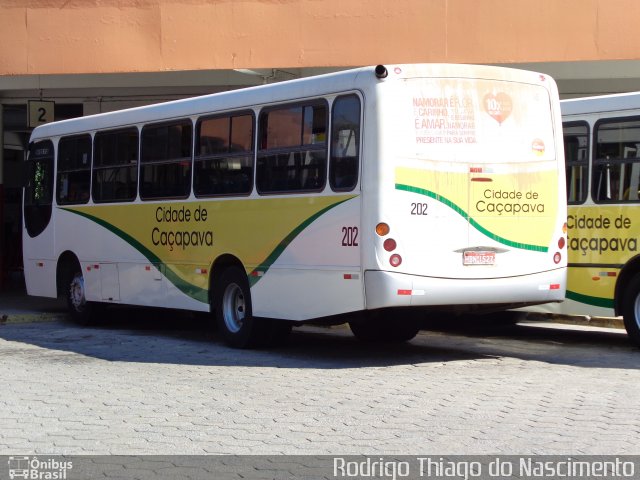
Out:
{"x": 273, "y": 256}
{"x": 189, "y": 289}
{"x": 589, "y": 300}
{"x": 197, "y": 293}
{"x": 465, "y": 215}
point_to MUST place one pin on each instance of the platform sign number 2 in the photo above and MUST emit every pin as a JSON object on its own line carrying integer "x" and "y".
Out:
{"x": 40, "y": 112}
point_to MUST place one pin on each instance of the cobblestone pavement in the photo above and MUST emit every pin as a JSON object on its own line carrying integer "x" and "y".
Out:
{"x": 166, "y": 386}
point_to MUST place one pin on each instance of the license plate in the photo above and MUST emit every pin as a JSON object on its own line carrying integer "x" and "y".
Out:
{"x": 479, "y": 258}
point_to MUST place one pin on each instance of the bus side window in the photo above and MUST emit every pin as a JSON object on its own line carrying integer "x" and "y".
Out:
{"x": 617, "y": 161}
{"x": 293, "y": 149}
{"x": 165, "y": 160}
{"x": 576, "y": 148}
{"x": 115, "y": 165}
{"x": 224, "y": 155}
{"x": 74, "y": 170}
{"x": 345, "y": 143}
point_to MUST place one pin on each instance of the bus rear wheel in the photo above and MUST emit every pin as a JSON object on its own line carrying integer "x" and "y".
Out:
{"x": 233, "y": 312}
{"x": 631, "y": 309}
{"x": 372, "y": 327}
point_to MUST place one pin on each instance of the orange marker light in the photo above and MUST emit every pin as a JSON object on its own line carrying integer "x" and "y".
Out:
{"x": 382, "y": 229}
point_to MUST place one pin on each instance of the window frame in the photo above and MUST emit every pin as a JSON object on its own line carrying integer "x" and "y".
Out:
{"x": 595, "y": 162}
{"x": 299, "y": 149}
{"x": 37, "y": 213}
{"x": 585, "y": 163}
{"x": 88, "y": 170}
{"x": 94, "y": 168}
{"x": 331, "y": 165}
{"x": 142, "y": 164}
{"x": 249, "y": 153}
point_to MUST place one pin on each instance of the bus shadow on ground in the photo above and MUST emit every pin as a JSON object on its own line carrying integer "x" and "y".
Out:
{"x": 176, "y": 337}
{"x": 546, "y": 341}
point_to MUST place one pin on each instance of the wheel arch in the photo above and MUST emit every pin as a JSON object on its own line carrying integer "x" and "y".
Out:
{"x": 68, "y": 264}
{"x": 629, "y": 270}
{"x": 219, "y": 265}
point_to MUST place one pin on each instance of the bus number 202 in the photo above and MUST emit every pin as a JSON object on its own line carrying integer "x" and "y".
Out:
{"x": 349, "y": 236}
{"x": 419, "y": 208}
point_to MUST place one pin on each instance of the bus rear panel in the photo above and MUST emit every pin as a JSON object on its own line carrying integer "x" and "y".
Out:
{"x": 472, "y": 191}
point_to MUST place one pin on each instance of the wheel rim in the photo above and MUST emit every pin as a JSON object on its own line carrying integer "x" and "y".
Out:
{"x": 76, "y": 293}
{"x": 233, "y": 308}
{"x": 636, "y": 311}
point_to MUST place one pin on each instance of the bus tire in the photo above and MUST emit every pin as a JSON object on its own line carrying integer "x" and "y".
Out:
{"x": 81, "y": 311}
{"x": 233, "y": 312}
{"x": 631, "y": 309}
{"x": 373, "y": 328}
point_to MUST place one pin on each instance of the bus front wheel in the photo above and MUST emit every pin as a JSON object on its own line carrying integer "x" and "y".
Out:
{"x": 631, "y": 309}
{"x": 234, "y": 317}
{"x": 80, "y": 310}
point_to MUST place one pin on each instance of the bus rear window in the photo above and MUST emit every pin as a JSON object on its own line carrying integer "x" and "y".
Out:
{"x": 477, "y": 120}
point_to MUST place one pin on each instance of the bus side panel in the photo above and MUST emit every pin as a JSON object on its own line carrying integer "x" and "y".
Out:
{"x": 601, "y": 240}
{"x": 118, "y": 268}
{"x": 318, "y": 274}
{"x": 186, "y": 285}
{"x": 113, "y": 270}
{"x": 142, "y": 283}
{"x": 40, "y": 276}
{"x": 40, "y": 263}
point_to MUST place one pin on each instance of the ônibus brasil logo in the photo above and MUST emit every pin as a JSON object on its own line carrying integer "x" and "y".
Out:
{"x": 34, "y": 468}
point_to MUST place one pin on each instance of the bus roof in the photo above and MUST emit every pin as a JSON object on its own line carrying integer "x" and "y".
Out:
{"x": 601, "y": 103}
{"x": 301, "y": 88}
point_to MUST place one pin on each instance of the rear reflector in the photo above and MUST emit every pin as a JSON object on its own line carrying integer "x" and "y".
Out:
{"x": 411, "y": 292}
{"x": 395, "y": 260}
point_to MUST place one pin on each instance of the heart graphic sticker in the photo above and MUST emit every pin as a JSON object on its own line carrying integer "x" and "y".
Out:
{"x": 498, "y": 106}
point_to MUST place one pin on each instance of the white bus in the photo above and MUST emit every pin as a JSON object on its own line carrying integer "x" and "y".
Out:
{"x": 398, "y": 187}
{"x": 602, "y": 151}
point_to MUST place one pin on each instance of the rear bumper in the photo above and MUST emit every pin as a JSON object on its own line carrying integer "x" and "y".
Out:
{"x": 389, "y": 289}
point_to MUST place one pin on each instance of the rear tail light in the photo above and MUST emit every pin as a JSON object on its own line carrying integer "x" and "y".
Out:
{"x": 389, "y": 245}
{"x": 557, "y": 258}
{"x": 561, "y": 243}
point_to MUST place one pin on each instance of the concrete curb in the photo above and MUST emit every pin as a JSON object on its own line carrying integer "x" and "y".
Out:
{"x": 581, "y": 320}
{"x": 9, "y": 318}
